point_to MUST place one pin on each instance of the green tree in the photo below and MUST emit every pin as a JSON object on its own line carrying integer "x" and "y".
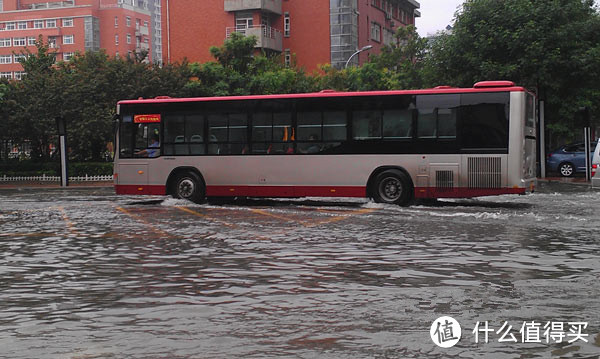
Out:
{"x": 4, "y": 116}
{"x": 405, "y": 59}
{"x": 240, "y": 69}
{"x": 37, "y": 103}
{"x": 550, "y": 46}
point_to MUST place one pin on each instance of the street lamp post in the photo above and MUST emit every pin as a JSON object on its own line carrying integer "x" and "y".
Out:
{"x": 365, "y": 48}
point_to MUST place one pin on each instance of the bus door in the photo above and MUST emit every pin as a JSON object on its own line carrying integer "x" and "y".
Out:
{"x": 139, "y": 144}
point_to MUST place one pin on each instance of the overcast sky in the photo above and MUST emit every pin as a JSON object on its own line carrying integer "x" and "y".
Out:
{"x": 435, "y": 15}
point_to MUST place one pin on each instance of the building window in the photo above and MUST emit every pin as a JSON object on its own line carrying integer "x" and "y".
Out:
{"x": 129, "y": 38}
{"x": 288, "y": 58}
{"x": 128, "y": 21}
{"x": 10, "y": 26}
{"x": 68, "y": 56}
{"x": 6, "y": 75}
{"x": 68, "y": 39}
{"x": 67, "y": 22}
{"x": 116, "y": 22}
{"x": 243, "y": 21}
{"x": 22, "y": 25}
{"x": 375, "y": 32}
{"x": 19, "y": 75}
{"x": 6, "y": 42}
{"x": 5, "y": 59}
{"x": 116, "y": 39}
{"x": 38, "y": 24}
{"x": 19, "y": 57}
{"x": 52, "y": 42}
{"x": 51, "y": 23}
{"x": 19, "y": 41}
{"x": 286, "y": 25}
{"x": 31, "y": 41}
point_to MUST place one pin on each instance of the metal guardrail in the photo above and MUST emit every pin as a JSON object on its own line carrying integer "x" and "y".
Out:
{"x": 267, "y": 31}
{"x": 45, "y": 178}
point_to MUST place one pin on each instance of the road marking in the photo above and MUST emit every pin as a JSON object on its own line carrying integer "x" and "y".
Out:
{"x": 143, "y": 220}
{"x": 340, "y": 218}
{"x": 70, "y": 225}
{"x": 227, "y": 224}
{"x": 32, "y": 234}
{"x": 288, "y": 219}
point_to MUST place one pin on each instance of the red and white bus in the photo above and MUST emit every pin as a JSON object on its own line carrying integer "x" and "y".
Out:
{"x": 392, "y": 146}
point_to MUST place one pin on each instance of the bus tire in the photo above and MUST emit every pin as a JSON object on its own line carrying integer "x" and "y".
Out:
{"x": 392, "y": 187}
{"x": 190, "y": 186}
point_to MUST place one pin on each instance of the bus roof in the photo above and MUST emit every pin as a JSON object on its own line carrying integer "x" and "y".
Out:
{"x": 480, "y": 87}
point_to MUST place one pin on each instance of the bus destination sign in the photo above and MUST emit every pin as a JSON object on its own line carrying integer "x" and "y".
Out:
{"x": 146, "y": 118}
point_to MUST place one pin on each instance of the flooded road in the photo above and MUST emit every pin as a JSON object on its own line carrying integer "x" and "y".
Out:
{"x": 87, "y": 274}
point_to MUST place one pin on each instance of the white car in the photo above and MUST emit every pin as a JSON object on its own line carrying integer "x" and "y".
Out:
{"x": 596, "y": 166}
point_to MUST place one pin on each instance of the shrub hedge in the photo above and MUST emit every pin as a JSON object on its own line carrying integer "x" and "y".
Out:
{"x": 30, "y": 168}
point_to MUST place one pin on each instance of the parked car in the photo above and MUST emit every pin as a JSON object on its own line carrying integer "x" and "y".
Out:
{"x": 596, "y": 166}
{"x": 568, "y": 159}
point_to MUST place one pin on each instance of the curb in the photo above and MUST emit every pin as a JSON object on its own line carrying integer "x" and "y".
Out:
{"x": 53, "y": 185}
{"x": 567, "y": 181}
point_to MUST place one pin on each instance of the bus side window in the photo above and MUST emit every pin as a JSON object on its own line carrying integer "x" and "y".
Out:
{"x": 125, "y": 137}
{"x": 174, "y": 134}
{"x": 217, "y": 131}
{"x": 334, "y": 126}
{"x": 446, "y": 123}
{"x": 397, "y": 124}
{"x": 194, "y": 131}
{"x": 238, "y": 133}
{"x": 283, "y": 134}
{"x": 483, "y": 120}
{"x": 366, "y": 125}
{"x": 426, "y": 126}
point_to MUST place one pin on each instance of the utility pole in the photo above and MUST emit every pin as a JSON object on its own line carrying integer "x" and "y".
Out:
{"x": 62, "y": 134}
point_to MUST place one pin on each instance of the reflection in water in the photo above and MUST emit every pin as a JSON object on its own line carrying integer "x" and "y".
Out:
{"x": 85, "y": 274}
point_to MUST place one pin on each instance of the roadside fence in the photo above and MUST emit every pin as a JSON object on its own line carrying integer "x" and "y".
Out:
{"x": 44, "y": 178}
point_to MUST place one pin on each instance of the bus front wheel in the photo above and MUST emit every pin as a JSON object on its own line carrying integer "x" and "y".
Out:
{"x": 392, "y": 187}
{"x": 188, "y": 185}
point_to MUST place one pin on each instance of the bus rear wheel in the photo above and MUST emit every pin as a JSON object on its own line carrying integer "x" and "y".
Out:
{"x": 392, "y": 187}
{"x": 188, "y": 185}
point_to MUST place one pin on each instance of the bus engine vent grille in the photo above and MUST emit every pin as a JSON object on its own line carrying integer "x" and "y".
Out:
{"x": 444, "y": 180}
{"x": 485, "y": 172}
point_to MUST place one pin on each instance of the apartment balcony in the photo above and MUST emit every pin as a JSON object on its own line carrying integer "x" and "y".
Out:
{"x": 142, "y": 30}
{"x": 273, "y": 6}
{"x": 267, "y": 37}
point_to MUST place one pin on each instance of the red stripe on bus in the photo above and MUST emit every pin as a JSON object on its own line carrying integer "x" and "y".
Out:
{"x": 318, "y": 191}
{"x": 327, "y": 95}
{"x": 433, "y": 192}
{"x": 287, "y": 191}
{"x": 141, "y": 189}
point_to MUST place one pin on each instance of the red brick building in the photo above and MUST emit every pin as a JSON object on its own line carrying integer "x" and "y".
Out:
{"x": 69, "y": 26}
{"x": 312, "y": 32}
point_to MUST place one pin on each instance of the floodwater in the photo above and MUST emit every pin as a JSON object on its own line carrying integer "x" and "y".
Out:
{"x": 87, "y": 274}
